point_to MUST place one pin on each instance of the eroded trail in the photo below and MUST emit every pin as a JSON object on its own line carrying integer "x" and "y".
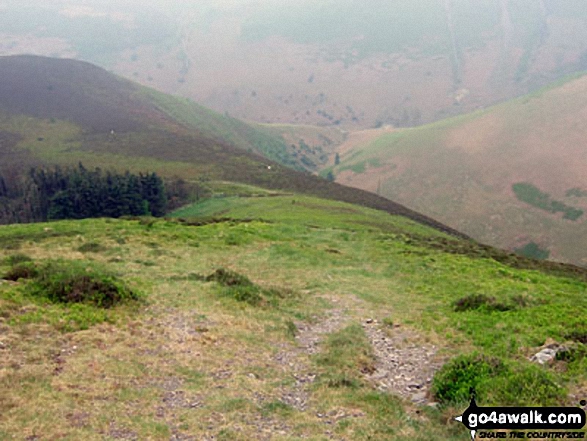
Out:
{"x": 405, "y": 364}
{"x": 295, "y": 358}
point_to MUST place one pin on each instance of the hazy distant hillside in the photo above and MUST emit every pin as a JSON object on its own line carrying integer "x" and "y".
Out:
{"x": 342, "y": 63}
{"x": 101, "y": 102}
{"x": 513, "y": 175}
{"x": 65, "y": 111}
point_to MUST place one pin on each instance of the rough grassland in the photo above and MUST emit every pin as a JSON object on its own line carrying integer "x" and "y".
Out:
{"x": 190, "y": 362}
{"x": 462, "y": 171}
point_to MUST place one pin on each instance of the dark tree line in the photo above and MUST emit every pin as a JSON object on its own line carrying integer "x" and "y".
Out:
{"x": 78, "y": 193}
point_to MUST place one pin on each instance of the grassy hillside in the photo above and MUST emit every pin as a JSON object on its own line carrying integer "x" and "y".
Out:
{"x": 509, "y": 175}
{"x": 331, "y": 313}
{"x": 64, "y": 111}
{"x": 100, "y": 102}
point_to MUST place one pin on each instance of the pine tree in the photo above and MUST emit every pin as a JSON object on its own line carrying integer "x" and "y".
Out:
{"x": 77, "y": 193}
{"x": 153, "y": 191}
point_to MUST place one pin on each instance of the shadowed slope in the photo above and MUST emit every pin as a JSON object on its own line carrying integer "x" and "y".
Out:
{"x": 72, "y": 90}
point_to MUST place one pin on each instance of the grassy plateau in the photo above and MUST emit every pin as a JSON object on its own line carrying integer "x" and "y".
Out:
{"x": 252, "y": 317}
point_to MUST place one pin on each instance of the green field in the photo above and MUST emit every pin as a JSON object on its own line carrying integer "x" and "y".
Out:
{"x": 198, "y": 358}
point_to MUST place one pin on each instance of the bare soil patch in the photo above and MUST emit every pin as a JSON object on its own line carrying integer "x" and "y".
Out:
{"x": 405, "y": 366}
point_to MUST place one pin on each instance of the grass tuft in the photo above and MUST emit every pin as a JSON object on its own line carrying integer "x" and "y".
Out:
{"x": 572, "y": 353}
{"x": 388, "y": 321}
{"x": 23, "y": 270}
{"x": 240, "y": 288}
{"x": 72, "y": 282}
{"x": 276, "y": 408}
{"x": 291, "y": 329}
{"x": 578, "y": 335}
{"x": 493, "y": 381}
{"x": 480, "y": 302}
{"x": 346, "y": 357}
{"x": 462, "y": 377}
{"x": 92, "y": 247}
{"x": 14, "y": 259}
{"x": 228, "y": 278}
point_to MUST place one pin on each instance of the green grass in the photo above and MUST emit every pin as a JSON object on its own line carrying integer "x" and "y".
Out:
{"x": 346, "y": 356}
{"x": 192, "y": 350}
{"x": 125, "y": 125}
{"x": 358, "y": 167}
{"x": 60, "y": 139}
{"x": 576, "y": 192}
{"x": 69, "y": 295}
{"x": 300, "y": 210}
{"x": 454, "y": 276}
{"x": 492, "y": 381}
{"x": 241, "y": 289}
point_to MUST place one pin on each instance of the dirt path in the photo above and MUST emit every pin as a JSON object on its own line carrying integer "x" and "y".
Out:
{"x": 171, "y": 336}
{"x": 295, "y": 358}
{"x": 405, "y": 365}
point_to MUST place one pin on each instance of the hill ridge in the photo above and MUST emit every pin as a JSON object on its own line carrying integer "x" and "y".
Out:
{"x": 123, "y": 122}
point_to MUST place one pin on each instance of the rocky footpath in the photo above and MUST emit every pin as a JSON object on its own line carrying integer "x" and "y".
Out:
{"x": 404, "y": 366}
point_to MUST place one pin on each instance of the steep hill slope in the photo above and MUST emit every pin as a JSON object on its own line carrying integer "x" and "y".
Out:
{"x": 401, "y": 62}
{"x": 510, "y": 175}
{"x": 290, "y": 318}
{"x": 63, "y": 111}
{"x": 100, "y": 102}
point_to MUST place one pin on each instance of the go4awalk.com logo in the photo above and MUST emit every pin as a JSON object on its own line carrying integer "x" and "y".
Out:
{"x": 528, "y": 422}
